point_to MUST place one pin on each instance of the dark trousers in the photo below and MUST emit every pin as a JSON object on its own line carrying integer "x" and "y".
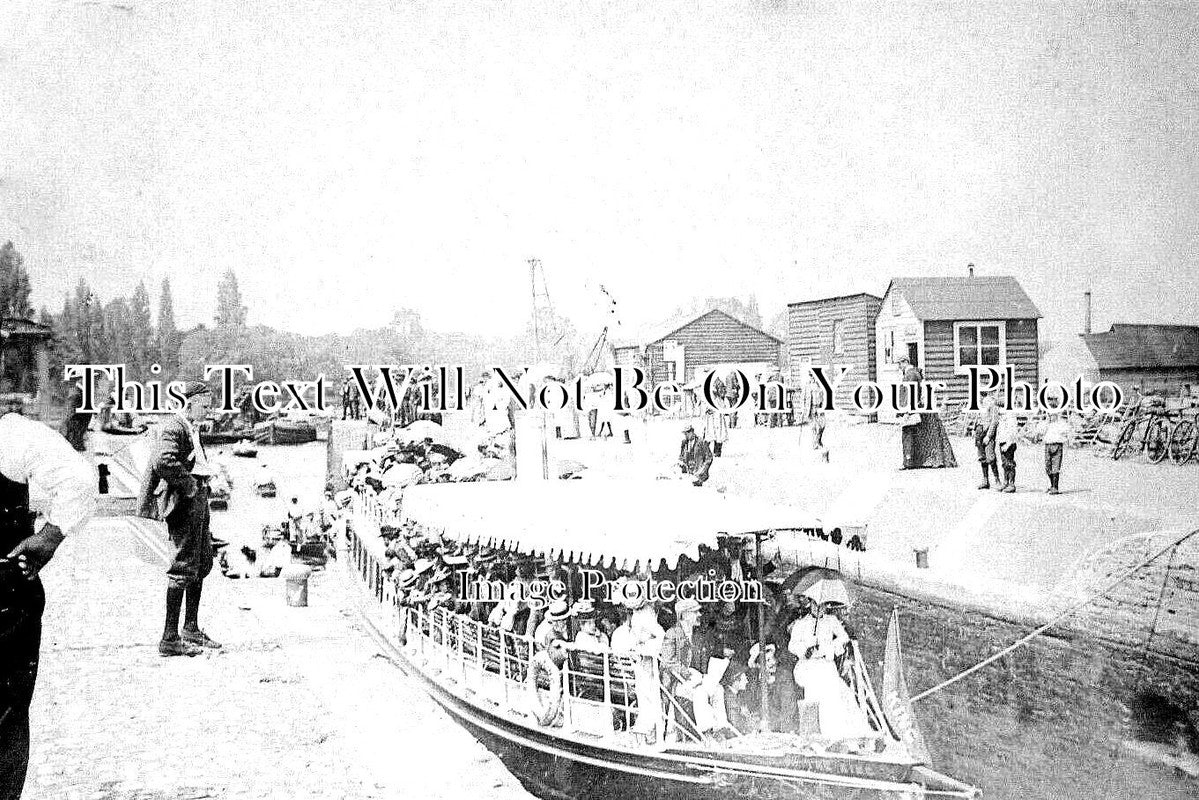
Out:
{"x": 986, "y": 456}
{"x": 21, "y": 606}
{"x": 191, "y": 540}
{"x": 1053, "y": 458}
{"x": 1007, "y": 457}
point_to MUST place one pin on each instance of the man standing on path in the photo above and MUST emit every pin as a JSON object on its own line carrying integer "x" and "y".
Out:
{"x": 175, "y": 490}
{"x": 30, "y": 452}
{"x": 986, "y": 427}
{"x": 695, "y": 459}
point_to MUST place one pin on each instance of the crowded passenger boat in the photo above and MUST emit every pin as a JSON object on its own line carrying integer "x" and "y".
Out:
{"x": 640, "y": 631}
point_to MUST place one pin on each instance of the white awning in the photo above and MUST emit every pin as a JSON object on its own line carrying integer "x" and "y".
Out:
{"x": 596, "y": 522}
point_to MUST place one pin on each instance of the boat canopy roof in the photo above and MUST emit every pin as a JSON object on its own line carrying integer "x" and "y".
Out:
{"x": 625, "y": 524}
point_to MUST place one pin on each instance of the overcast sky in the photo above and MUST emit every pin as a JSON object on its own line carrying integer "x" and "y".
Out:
{"x": 350, "y": 156}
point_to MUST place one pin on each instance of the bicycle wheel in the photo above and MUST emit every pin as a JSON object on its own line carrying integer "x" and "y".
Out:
{"x": 1123, "y": 439}
{"x": 1182, "y": 441}
{"x": 1156, "y": 440}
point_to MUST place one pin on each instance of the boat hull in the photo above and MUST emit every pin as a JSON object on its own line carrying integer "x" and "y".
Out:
{"x": 552, "y": 765}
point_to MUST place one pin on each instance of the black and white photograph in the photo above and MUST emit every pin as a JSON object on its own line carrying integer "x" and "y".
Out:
{"x": 771, "y": 399}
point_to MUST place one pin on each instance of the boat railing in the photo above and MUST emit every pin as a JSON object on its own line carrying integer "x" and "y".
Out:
{"x": 598, "y": 695}
{"x": 596, "y": 692}
{"x": 603, "y": 691}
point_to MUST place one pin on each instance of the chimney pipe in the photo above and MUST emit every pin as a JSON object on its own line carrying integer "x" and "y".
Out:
{"x": 1086, "y": 312}
{"x": 970, "y": 270}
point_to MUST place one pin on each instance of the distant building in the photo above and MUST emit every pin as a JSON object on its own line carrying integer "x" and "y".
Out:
{"x": 1161, "y": 358}
{"x": 25, "y": 363}
{"x": 944, "y": 324}
{"x": 679, "y": 349}
{"x": 834, "y": 330}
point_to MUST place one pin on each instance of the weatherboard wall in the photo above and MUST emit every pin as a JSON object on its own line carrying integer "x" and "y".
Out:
{"x": 1021, "y": 351}
{"x": 810, "y": 340}
{"x": 713, "y": 338}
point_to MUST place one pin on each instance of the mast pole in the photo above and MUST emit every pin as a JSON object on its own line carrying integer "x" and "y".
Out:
{"x": 545, "y": 448}
{"x": 763, "y": 689}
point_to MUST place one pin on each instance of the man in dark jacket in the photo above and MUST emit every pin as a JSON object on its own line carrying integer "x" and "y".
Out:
{"x": 695, "y": 458}
{"x": 175, "y": 489}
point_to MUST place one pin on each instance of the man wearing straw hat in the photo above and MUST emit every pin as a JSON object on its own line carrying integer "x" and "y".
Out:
{"x": 175, "y": 490}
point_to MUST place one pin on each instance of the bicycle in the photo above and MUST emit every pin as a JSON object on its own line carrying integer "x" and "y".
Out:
{"x": 1154, "y": 437}
{"x": 1183, "y": 443}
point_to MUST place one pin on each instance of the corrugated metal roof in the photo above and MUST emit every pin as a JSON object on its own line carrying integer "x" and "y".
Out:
{"x": 1130, "y": 346}
{"x": 965, "y": 297}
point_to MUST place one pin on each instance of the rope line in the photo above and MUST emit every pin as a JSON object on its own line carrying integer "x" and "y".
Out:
{"x": 1084, "y": 602}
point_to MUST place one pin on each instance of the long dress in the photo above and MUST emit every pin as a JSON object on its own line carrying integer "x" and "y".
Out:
{"x": 928, "y": 441}
{"x": 816, "y": 642}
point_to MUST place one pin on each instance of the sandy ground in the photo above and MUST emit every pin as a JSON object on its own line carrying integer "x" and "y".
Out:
{"x": 299, "y": 704}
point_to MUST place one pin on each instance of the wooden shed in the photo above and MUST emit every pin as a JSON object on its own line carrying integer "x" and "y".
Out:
{"x": 677, "y": 350}
{"x": 25, "y": 364}
{"x": 1157, "y": 358}
{"x": 834, "y": 330}
{"x": 945, "y": 324}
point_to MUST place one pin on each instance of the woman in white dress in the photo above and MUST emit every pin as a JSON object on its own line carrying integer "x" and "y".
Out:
{"x": 817, "y": 640}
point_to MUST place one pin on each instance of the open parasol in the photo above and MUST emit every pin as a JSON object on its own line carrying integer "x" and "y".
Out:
{"x": 822, "y": 586}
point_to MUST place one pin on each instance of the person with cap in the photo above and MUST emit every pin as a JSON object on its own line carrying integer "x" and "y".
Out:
{"x": 556, "y": 624}
{"x": 695, "y": 459}
{"x": 679, "y": 677}
{"x": 30, "y": 452}
{"x": 985, "y": 429}
{"x": 175, "y": 489}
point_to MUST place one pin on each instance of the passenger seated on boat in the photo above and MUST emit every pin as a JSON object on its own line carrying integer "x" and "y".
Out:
{"x": 679, "y": 678}
{"x": 818, "y": 640}
{"x": 442, "y": 595}
{"x": 556, "y": 625}
{"x": 589, "y": 636}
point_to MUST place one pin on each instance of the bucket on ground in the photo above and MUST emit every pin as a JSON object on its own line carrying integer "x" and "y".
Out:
{"x": 295, "y": 579}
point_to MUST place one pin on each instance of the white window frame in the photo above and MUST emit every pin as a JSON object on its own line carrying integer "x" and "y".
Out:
{"x": 978, "y": 323}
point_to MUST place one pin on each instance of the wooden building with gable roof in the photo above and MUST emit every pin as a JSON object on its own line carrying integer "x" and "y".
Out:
{"x": 946, "y": 323}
